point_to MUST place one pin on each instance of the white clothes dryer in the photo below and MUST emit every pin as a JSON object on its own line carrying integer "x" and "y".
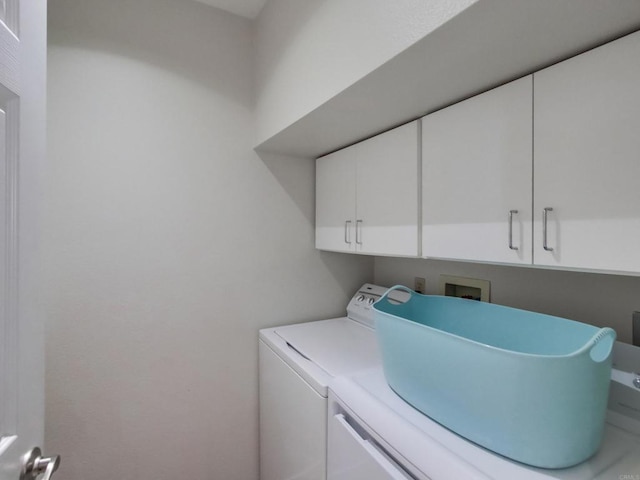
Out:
{"x": 375, "y": 435}
{"x": 296, "y": 363}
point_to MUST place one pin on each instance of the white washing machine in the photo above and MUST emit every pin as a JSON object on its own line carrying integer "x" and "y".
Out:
{"x": 296, "y": 364}
{"x": 375, "y": 435}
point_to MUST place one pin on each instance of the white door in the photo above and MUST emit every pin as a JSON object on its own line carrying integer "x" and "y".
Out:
{"x": 587, "y": 159}
{"x": 387, "y": 193}
{"x": 336, "y": 200}
{"x": 477, "y": 182}
{"x": 22, "y": 149}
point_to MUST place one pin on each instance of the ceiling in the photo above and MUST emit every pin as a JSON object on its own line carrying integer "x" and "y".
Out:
{"x": 245, "y": 8}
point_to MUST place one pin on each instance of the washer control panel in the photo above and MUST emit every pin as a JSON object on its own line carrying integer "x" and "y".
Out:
{"x": 360, "y": 307}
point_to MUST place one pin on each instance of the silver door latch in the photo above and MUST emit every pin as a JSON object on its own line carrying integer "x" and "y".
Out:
{"x": 34, "y": 464}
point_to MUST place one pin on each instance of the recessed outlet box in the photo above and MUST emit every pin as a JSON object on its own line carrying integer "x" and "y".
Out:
{"x": 471, "y": 288}
{"x": 420, "y": 284}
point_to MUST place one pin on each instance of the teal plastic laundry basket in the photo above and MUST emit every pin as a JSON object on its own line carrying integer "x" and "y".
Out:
{"x": 528, "y": 386}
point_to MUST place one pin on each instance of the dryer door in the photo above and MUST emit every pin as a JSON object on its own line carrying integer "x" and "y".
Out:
{"x": 353, "y": 456}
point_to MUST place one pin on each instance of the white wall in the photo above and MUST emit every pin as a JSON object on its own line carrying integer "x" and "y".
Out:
{"x": 168, "y": 243}
{"x": 309, "y": 51}
{"x": 598, "y": 299}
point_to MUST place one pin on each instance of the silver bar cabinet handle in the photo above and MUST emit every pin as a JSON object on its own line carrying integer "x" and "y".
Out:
{"x": 359, "y": 232}
{"x": 511, "y": 214}
{"x": 347, "y": 232}
{"x": 545, "y": 245}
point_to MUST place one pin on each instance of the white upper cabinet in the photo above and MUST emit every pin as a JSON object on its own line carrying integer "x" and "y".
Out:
{"x": 387, "y": 192}
{"x": 477, "y": 179}
{"x": 336, "y": 200}
{"x": 587, "y": 160}
{"x": 542, "y": 171}
{"x": 367, "y": 195}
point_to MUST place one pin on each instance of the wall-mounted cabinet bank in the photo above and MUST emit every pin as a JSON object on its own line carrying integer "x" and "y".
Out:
{"x": 564, "y": 140}
{"x": 367, "y": 195}
{"x": 542, "y": 171}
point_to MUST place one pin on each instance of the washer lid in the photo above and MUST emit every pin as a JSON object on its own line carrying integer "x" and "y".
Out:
{"x": 339, "y": 346}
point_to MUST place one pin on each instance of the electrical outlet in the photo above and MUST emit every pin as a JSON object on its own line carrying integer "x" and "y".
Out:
{"x": 419, "y": 284}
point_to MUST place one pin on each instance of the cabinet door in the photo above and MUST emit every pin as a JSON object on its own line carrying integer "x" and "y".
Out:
{"x": 477, "y": 183}
{"x": 336, "y": 200}
{"x": 587, "y": 159}
{"x": 387, "y": 193}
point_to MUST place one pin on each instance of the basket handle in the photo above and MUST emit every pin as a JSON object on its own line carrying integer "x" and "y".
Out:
{"x": 601, "y": 344}
{"x": 397, "y": 287}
